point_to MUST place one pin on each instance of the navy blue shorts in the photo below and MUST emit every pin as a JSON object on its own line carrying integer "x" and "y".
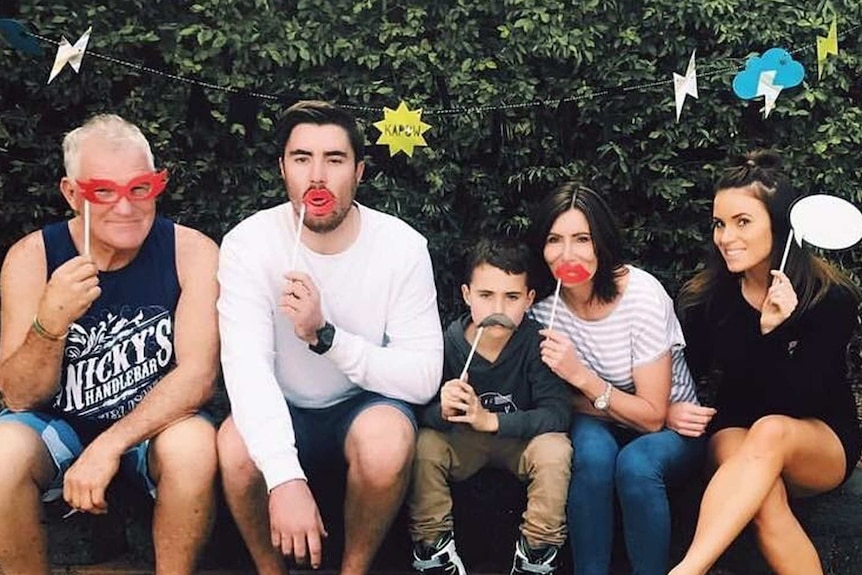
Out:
{"x": 321, "y": 433}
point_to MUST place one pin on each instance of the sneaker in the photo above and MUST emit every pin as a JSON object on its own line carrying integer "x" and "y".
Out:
{"x": 529, "y": 561}
{"x": 441, "y": 558}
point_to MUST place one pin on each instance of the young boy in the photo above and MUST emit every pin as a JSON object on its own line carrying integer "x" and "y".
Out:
{"x": 512, "y": 414}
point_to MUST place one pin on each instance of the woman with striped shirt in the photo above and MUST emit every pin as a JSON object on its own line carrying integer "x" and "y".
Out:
{"x": 613, "y": 336}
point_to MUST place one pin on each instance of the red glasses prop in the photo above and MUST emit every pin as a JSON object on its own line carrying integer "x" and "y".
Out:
{"x": 138, "y": 189}
{"x": 570, "y": 273}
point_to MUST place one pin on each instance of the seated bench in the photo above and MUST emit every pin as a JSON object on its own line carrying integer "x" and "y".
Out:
{"x": 487, "y": 512}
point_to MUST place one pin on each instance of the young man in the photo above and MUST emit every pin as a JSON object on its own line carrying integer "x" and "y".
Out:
{"x": 508, "y": 411}
{"x": 329, "y": 325}
{"x": 108, "y": 348}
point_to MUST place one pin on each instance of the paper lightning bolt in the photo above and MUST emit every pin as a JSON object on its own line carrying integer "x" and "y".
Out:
{"x": 767, "y": 88}
{"x": 685, "y": 85}
{"x": 826, "y": 46}
{"x": 70, "y": 54}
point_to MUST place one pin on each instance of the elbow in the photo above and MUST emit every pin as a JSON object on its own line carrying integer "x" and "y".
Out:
{"x": 653, "y": 426}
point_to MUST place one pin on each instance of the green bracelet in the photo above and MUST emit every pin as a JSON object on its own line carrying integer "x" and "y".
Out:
{"x": 44, "y": 333}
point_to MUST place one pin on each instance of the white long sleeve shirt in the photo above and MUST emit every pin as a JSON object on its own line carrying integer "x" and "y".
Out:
{"x": 380, "y": 295}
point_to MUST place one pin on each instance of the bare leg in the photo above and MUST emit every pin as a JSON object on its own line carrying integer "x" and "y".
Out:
{"x": 247, "y": 498}
{"x": 781, "y": 539}
{"x": 183, "y": 464}
{"x": 26, "y": 466}
{"x": 379, "y": 450}
{"x": 806, "y": 453}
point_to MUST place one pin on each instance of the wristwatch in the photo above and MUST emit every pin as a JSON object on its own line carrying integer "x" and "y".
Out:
{"x": 325, "y": 337}
{"x": 603, "y": 402}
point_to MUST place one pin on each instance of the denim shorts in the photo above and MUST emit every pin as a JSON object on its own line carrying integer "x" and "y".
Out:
{"x": 64, "y": 445}
{"x": 320, "y": 433}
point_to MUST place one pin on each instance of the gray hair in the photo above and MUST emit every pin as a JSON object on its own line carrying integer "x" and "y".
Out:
{"x": 120, "y": 133}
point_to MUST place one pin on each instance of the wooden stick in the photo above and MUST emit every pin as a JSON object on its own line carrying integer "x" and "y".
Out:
{"x": 86, "y": 228}
{"x": 556, "y": 301}
{"x": 295, "y": 252}
{"x": 472, "y": 351}
{"x": 786, "y": 251}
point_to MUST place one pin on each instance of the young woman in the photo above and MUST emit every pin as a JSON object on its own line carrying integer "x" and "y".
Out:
{"x": 615, "y": 338}
{"x": 774, "y": 346}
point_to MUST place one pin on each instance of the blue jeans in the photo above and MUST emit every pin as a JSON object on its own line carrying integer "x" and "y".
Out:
{"x": 640, "y": 467}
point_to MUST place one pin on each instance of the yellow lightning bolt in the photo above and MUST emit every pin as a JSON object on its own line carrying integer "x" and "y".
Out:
{"x": 826, "y": 46}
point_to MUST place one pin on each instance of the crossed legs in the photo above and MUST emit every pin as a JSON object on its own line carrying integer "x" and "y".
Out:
{"x": 756, "y": 468}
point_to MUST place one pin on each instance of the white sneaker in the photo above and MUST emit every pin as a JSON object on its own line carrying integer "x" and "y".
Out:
{"x": 441, "y": 558}
{"x": 533, "y": 561}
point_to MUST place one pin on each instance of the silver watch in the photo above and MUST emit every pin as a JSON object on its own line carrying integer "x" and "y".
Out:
{"x": 603, "y": 402}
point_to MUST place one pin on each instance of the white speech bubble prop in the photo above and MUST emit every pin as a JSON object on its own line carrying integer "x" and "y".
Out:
{"x": 826, "y": 222}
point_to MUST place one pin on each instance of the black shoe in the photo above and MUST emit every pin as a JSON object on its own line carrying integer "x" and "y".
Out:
{"x": 441, "y": 558}
{"x": 529, "y": 561}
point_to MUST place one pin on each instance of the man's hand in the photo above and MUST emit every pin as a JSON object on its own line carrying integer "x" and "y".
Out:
{"x": 688, "y": 419}
{"x": 780, "y": 302}
{"x": 86, "y": 481}
{"x": 459, "y": 400}
{"x": 73, "y": 287}
{"x": 300, "y": 301}
{"x": 295, "y": 524}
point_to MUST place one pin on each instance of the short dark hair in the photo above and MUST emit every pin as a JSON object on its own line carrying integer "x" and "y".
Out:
{"x": 322, "y": 114}
{"x": 604, "y": 230}
{"x": 508, "y": 254}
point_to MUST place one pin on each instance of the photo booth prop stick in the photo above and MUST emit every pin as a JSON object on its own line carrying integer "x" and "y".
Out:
{"x": 87, "y": 228}
{"x": 71, "y": 54}
{"x": 494, "y": 319}
{"x": 317, "y": 202}
{"x": 295, "y": 251}
{"x": 570, "y": 274}
{"x": 824, "y": 221}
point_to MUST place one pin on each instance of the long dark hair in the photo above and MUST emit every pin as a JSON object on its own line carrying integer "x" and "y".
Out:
{"x": 760, "y": 172}
{"x": 603, "y": 229}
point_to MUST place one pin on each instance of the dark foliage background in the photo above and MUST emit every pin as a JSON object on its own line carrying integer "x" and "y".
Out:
{"x": 483, "y": 170}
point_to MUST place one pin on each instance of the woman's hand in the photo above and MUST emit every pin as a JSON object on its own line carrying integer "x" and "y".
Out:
{"x": 780, "y": 302}
{"x": 558, "y": 353}
{"x": 688, "y": 419}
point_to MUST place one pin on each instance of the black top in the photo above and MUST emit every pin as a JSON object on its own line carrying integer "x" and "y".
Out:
{"x": 528, "y": 398}
{"x": 124, "y": 343}
{"x": 799, "y": 369}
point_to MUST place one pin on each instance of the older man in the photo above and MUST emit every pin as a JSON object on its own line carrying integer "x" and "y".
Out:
{"x": 108, "y": 348}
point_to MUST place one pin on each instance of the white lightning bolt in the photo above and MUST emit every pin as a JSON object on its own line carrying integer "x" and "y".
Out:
{"x": 767, "y": 88}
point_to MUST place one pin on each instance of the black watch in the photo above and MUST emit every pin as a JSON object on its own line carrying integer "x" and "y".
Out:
{"x": 325, "y": 337}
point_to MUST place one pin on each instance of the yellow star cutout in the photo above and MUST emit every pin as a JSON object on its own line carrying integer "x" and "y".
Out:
{"x": 401, "y": 129}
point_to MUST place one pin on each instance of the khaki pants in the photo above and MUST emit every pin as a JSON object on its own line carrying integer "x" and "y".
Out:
{"x": 544, "y": 463}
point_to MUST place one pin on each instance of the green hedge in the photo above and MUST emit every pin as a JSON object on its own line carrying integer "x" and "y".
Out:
{"x": 610, "y": 62}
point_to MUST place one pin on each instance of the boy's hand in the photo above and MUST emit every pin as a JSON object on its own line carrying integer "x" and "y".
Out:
{"x": 464, "y": 406}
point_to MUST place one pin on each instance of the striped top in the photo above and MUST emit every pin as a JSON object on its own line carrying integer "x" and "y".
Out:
{"x": 641, "y": 328}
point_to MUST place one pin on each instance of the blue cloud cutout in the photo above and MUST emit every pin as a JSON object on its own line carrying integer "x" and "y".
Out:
{"x": 788, "y": 72}
{"x": 14, "y": 33}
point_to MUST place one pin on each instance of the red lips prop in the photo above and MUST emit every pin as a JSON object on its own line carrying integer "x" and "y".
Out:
{"x": 569, "y": 273}
{"x": 319, "y": 201}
